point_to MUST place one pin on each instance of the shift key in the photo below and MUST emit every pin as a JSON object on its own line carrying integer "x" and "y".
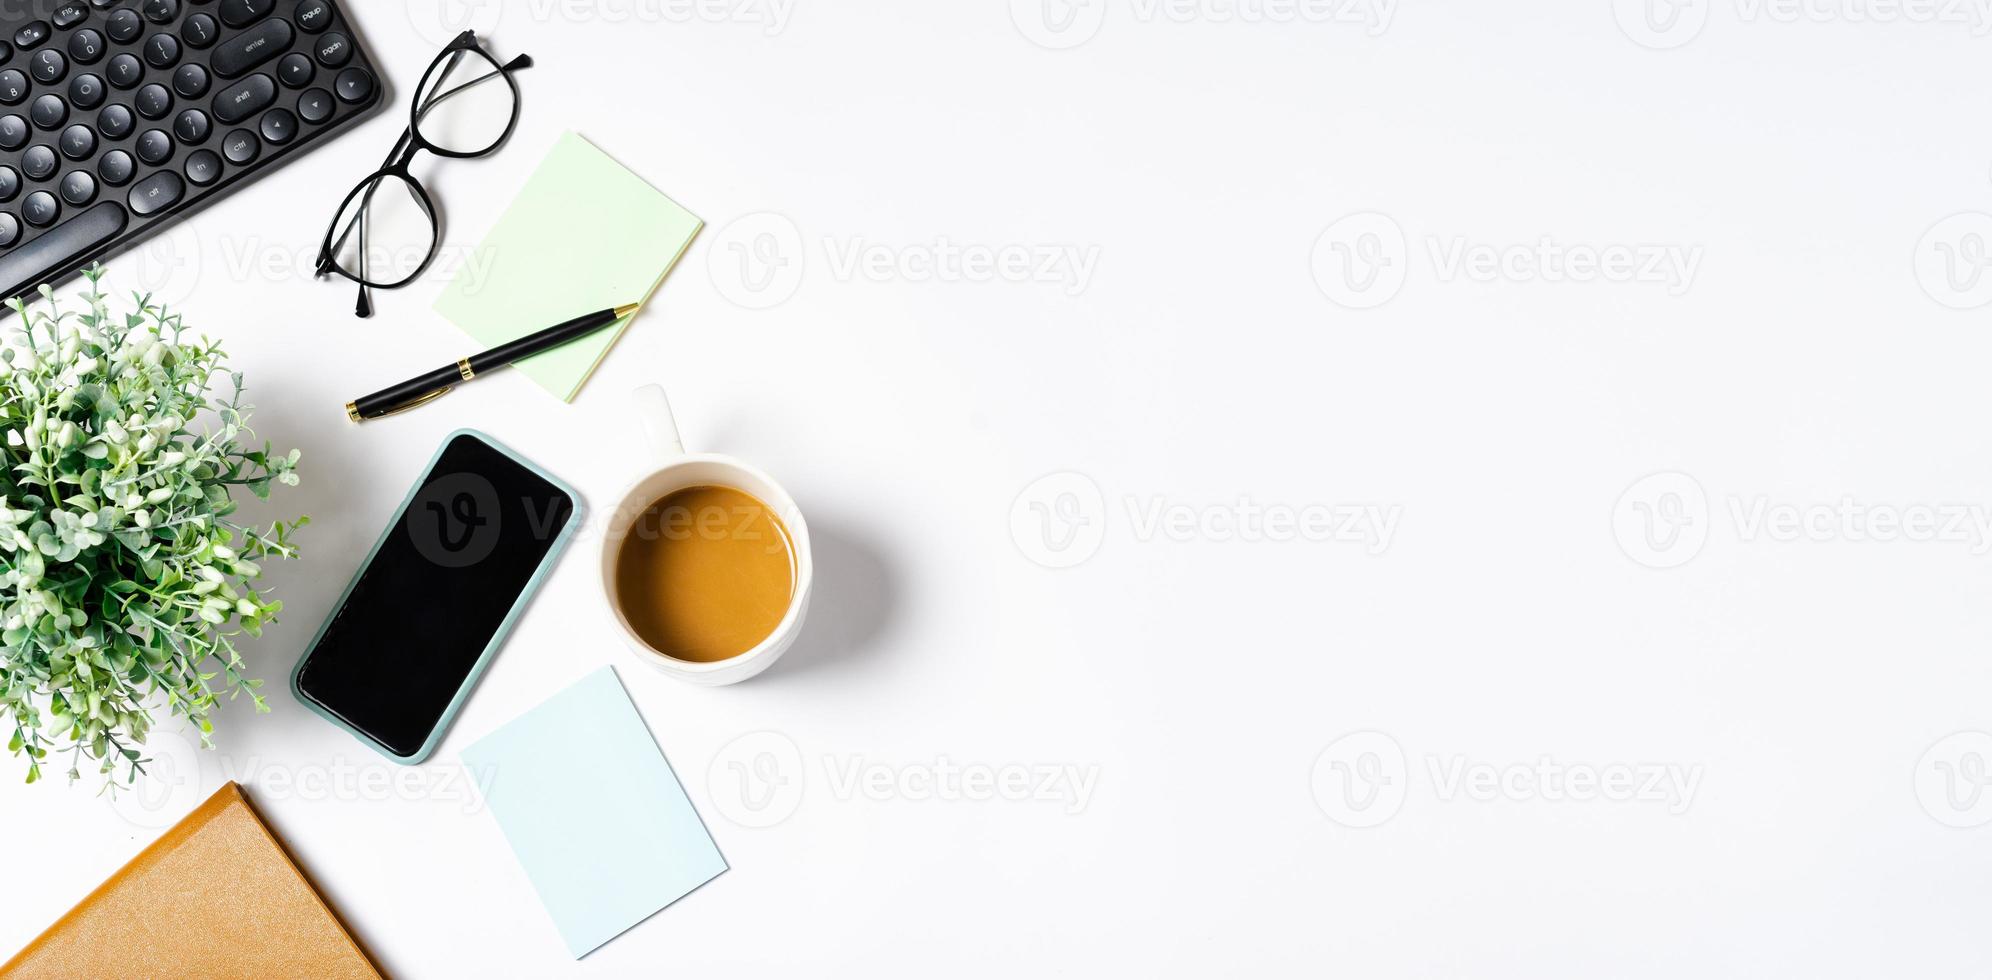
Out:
{"x": 245, "y": 98}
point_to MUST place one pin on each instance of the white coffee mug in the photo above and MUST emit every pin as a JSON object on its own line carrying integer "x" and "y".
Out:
{"x": 677, "y": 470}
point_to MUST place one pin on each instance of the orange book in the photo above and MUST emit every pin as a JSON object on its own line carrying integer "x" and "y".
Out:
{"x": 215, "y": 896}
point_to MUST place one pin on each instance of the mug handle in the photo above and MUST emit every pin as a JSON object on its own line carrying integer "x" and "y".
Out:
{"x": 653, "y": 409}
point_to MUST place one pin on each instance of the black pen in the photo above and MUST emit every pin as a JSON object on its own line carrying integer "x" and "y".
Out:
{"x": 437, "y": 383}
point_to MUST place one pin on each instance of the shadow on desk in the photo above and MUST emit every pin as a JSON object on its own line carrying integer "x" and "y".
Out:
{"x": 850, "y": 603}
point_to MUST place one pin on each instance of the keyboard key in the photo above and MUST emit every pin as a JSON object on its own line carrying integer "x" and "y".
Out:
{"x": 29, "y": 264}
{"x": 13, "y": 86}
{"x": 125, "y": 71}
{"x": 10, "y": 183}
{"x": 162, "y": 50}
{"x": 154, "y": 193}
{"x": 153, "y": 101}
{"x": 78, "y": 188}
{"x": 86, "y": 46}
{"x": 161, "y": 11}
{"x": 200, "y": 30}
{"x": 239, "y": 13}
{"x": 6, "y": 52}
{"x": 334, "y": 50}
{"x": 41, "y": 209}
{"x": 312, "y": 16}
{"x": 115, "y": 121}
{"x": 32, "y": 33}
{"x": 38, "y": 163}
{"x": 244, "y": 99}
{"x": 77, "y": 142}
{"x": 10, "y": 230}
{"x": 203, "y": 167}
{"x": 315, "y": 105}
{"x": 239, "y": 146}
{"x": 192, "y": 126}
{"x": 49, "y": 111}
{"x": 48, "y": 66}
{"x": 355, "y": 85}
{"x": 103, "y": 4}
{"x": 124, "y": 25}
{"x": 13, "y": 132}
{"x": 279, "y": 126}
{"x": 295, "y": 70}
{"x": 190, "y": 80}
{"x": 252, "y": 47}
{"x": 70, "y": 14}
{"x": 86, "y": 91}
{"x": 116, "y": 168}
{"x": 154, "y": 146}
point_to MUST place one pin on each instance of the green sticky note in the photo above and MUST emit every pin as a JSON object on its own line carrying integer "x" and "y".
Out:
{"x": 583, "y": 235}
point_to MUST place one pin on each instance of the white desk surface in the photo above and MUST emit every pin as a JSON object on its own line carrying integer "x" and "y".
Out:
{"x": 1791, "y": 693}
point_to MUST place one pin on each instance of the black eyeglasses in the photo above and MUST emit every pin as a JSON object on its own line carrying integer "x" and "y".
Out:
{"x": 387, "y": 230}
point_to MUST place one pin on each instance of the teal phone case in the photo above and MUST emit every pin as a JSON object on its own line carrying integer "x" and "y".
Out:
{"x": 532, "y": 585}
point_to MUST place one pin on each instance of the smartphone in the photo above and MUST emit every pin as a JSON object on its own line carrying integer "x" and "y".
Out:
{"x": 434, "y": 600}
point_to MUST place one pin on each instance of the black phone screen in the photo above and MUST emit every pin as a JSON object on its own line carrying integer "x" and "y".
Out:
{"x": 457, "y": 560}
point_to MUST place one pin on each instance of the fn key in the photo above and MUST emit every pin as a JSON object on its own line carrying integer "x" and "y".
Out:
{"x": 51, "y": 254}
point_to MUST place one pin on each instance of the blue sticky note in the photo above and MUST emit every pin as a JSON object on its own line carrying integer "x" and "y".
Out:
{"x": 593, "y": 811}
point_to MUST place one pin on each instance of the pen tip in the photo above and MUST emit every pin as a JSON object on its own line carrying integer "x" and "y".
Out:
{"x": 626, "y": 309}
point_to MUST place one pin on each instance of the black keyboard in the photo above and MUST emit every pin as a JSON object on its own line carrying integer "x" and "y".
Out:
{"x": 118, "y": 115}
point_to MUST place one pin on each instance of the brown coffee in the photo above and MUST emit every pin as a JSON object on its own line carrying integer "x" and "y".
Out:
{"x": 706, "y": 573}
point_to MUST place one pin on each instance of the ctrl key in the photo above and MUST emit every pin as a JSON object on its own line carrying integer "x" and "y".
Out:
{"x": 156, "y": 192}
